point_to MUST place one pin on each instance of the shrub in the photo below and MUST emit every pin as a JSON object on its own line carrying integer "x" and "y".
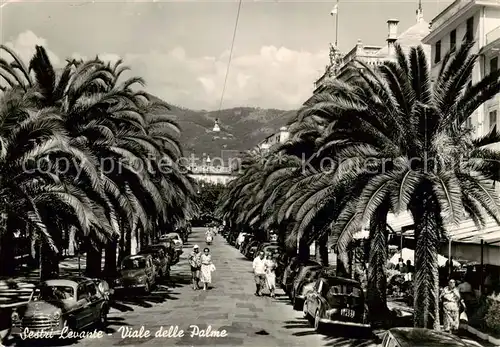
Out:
{"x": 491, "y": 318}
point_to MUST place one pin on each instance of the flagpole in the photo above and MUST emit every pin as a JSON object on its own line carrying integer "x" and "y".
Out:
{"x": 337, "y": 25}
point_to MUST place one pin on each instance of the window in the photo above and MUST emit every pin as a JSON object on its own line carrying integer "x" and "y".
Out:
{"x": 437, "y": 56}
{"x": 82, "y": 292}
{"x": 469, "y": 35}
{"x": 493, "y": 119}
{"x": 453, "y": 40}
{"x": 493, "y": 64}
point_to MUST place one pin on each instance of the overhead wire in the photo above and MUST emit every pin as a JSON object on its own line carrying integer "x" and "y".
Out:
{"x": 230, "y": 54}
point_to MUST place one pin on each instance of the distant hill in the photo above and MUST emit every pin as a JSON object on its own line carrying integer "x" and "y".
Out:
{"x": 242, "y": 128}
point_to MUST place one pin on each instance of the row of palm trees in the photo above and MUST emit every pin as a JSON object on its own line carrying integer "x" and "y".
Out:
{"x": 85, "y": 151}
{"x": 387, "y": 140}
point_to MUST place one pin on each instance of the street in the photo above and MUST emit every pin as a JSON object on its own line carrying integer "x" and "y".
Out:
{"x": 230, "y": 305}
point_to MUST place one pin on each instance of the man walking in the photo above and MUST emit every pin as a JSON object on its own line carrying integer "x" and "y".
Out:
{"x": 259, "y": 270}
{"x": 195, "y": 263}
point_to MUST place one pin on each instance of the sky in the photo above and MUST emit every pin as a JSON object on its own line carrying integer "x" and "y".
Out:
{"x": 181, "y": 48}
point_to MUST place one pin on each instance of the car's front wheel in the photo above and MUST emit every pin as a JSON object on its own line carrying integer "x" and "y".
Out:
{"x": 103, "y": 318}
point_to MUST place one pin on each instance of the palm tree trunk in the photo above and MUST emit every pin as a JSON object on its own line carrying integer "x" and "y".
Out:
{"x": 377, "y": 270}
{"x": 93, "y": 261}
{"x": 428, "y": 228}
{"x": 49, "y": 263}
{"x": 110, "y": 264}
{"x": 321, "y": 250}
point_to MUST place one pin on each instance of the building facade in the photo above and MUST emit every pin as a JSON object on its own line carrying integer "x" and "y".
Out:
{"x": 212, "y": 174}
{"x": 340, "y": 64}
{"x": 279, "y": 137}
{"x": 478, "y": 21}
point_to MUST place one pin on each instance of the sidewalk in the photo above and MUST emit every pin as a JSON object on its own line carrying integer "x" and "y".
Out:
{"x": 17, "y": 290}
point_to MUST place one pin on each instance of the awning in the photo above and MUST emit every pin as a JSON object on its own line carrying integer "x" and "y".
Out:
{"x": 465, "y": 232}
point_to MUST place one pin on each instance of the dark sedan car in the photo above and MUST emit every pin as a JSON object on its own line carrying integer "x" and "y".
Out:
{"x": 305, "y": 280}
{"x": 75, "y": 302}
{"x": 292, "y": 271}
{"x": 337, "y": 301}
{"x": 138, "y": 272}
{"x": 161, "y": 259}
{"x": 415, "y": 337}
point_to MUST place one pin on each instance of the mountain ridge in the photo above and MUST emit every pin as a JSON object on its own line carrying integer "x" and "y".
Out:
{"x": 242, "y": 128}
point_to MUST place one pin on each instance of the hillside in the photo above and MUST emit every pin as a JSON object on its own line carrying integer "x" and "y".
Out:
{"x": 242, "y": 128}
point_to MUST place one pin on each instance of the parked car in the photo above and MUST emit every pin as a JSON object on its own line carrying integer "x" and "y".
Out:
{"x": 274, "y": 249}
{"x": 304, "y": 273}
{"x": 263, "y": 245}
{"x": 251, "y": 252}
{"x": 336, "y": 300}
{"x": 137, "y": 273}
{"x": 413, "y": 337}
{"x": 75, "y": 302}
{"x": 176, "y": 239}
{"x": 246, "y": 251}
{"x": 305, "y": 280}
{"x": 246, "y": 243}
{"x": 171, "y": 250}
{"x": 161, "y": 259}
{"x": 291, "y": 271}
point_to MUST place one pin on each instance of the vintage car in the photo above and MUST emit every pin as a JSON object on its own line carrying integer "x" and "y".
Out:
{"x": 336, "y": 300}
{"x": 177, "y": 240}
{"x": 305, "y": 281}
{"x": 161, "y": 259}
{"x": 137, "y": 273}
{"x": 274, "y": 249}
{"x": 76, "y": 302}
{"x": 292, "y": 270}
{"x": 171, "y": 250}
{"x": 413, "y": 337}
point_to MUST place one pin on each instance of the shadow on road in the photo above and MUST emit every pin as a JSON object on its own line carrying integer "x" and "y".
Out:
{"x": 340, "y": 337}
{"x": 161, "y": 294}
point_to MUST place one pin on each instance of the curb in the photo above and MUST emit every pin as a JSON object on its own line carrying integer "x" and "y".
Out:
{"x": 481, "y": 335}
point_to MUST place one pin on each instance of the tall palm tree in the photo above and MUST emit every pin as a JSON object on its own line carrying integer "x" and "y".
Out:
{"x": 409, "y": 135}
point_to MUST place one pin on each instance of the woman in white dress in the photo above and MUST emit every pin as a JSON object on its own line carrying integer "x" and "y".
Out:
{"x": 206, "y": 268}
{"x": 270, "y": 265}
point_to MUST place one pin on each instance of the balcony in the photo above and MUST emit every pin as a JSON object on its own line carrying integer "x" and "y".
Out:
{"x": 493, "y": 35}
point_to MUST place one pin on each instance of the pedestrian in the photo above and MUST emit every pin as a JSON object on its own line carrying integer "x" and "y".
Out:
{"x": 259, "y": 270}
{"x": 270, "y": 267}
{"x": 401, "y": 267}
{"x": 409, "y": 271}
{"x": 195, "y": 262}
{"x": 206, "y": 268}
{"x": 452, "y": 301}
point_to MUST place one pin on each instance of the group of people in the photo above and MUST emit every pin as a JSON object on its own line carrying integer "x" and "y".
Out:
{"x": 264, "y": 268}
{"x": 201, "y": 267}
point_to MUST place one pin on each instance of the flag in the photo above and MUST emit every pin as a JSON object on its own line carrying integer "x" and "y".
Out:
{"x": 335, "y": 9}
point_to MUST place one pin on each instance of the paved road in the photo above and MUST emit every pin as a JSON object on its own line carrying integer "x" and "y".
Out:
{"x": 230, "y": 305}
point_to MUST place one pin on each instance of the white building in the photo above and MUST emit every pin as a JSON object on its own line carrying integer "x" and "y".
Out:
{"x": 372, "y": 55}
{"x": 212, "y": 174}
{"x": 478, "y": 21}
{"x": 279, "y": 137}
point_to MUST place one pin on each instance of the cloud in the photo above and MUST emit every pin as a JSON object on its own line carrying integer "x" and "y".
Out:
{"x": 24, "y": 46}
{"x": 273, "y": 77}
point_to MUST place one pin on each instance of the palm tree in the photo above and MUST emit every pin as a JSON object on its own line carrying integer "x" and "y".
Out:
{"x": 408, "y": 134}
{"x": 115, "y": 140}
